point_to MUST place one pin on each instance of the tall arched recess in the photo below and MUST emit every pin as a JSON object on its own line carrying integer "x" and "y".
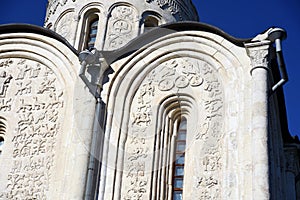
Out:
{"x": 189, "y": 75}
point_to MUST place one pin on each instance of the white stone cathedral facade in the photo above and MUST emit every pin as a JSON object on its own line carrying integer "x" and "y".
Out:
{"x": 136, "y": 99}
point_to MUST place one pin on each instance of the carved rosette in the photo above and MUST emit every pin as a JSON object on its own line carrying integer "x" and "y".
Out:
{"x": 121, "y": 26}
{"x": 180, "y": 75}
{"x": 31, "y": 101}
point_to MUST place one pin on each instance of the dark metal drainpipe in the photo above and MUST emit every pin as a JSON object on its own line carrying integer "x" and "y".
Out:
{"x": 277, "y": 35}
{"x": 94, "y": 154}
{"x": 87, "y": 57}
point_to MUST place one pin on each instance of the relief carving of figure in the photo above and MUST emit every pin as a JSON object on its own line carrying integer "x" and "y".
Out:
{"x": 4, "y": 82}
{"x": 37, "y": 107}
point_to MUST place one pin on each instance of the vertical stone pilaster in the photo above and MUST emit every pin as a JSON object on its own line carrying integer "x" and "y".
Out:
{"x": 291, "y": 170}
{"x": 258, "y": 53}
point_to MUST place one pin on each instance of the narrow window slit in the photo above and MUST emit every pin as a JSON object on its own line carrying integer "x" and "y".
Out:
{"x": 92, "y": 34}
{"x": 178, "y": 173}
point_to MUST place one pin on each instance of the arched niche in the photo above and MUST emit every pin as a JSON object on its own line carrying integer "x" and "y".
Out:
{"x": 194, "y": 74}
{"x": 150, "y": 20}
{"x": 87, "y": 15}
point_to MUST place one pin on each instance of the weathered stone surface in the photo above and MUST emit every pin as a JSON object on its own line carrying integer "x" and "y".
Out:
{"x": 119, "y": 22}
{"x": 164, "y": 86}
{"x": 43, "y": 139}
{"x": 51, "y": 131}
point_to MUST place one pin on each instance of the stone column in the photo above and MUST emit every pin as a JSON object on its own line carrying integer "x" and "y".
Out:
{"x": 258, "y": 53}
{"x": 291, "y": 170}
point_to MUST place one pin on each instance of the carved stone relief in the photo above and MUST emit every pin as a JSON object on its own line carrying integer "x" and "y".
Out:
{"x": 66, "y": 25}
{"x": 121, "y": 27}
{"x": 33, "y": 99}
{"x": 208, "y": 182}
{"x": 52, "y": 7}
{"x": 136, "y": 159}
{"x": 258, "y": 57}
{"x": 184, "y": 75}
{"x": 174, "y": 6}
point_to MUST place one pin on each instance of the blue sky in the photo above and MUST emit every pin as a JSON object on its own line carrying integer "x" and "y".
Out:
{"x": 241, "y": 19}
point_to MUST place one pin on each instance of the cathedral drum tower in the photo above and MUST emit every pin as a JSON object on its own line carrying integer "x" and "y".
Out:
{"x": 111, "y": 24}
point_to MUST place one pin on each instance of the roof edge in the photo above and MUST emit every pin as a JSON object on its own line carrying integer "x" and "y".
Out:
{"x": 167, "y": 29}
{"x": 200, "y": 26}
{"x": 30, "y": 28}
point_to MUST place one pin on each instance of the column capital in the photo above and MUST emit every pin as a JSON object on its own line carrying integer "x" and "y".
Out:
{"x": 258, "y": 53}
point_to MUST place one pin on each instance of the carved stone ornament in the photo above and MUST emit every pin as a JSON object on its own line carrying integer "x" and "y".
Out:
{"x": 120, "y": 27}
{"x": 172, "y": 5}
{"x": 181, "y": 75}
{"x": 258, "y": 57}
{"x": 66, "y": 25}
{"x": 52, "y": 7}
{"x": 32, "y": 96}
{"x": 176, "y": 7}
{"x": 258, "y": 53}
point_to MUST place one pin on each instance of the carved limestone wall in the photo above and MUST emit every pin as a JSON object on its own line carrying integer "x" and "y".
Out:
{"x": 184, "y": 76}
{"x": 32, "y": 100}
{"x": 119, "y": 21}
{"x": 46, "y": 146}
{"x": 122, "y": 26}
{"x": 188, "y": 74}
{"x": 66, "y": 26}
{"x": 52, "y": 7}
{"x": 182, "y": 8}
